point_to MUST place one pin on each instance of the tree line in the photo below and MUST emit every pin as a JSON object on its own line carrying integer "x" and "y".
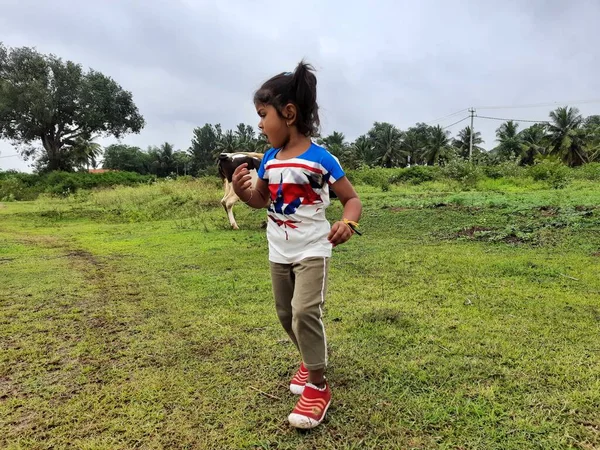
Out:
{"x": 53, "y": 111}
{"x": 566, "y": 137}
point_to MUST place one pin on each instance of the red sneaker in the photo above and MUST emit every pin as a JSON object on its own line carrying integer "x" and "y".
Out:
{"x": 299, "y": 380}
{"x": 311, "y": 408}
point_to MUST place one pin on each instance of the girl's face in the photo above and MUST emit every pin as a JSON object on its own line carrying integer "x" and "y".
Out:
{"x": 273, "y": 126}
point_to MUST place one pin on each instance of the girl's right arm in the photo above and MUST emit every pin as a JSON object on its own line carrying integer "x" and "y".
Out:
{"x": 242, "y": 185}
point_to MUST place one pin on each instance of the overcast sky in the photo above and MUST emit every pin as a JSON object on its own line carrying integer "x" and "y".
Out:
{"x": 189, "y": 62}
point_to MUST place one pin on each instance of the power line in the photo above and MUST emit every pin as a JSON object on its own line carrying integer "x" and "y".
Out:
{"x": 514, "y": 120}
{"x": 9, "y": 156}
{"x": 539, "y": 105}
{"x": 459, "y": 121}
{"x": 445, "y": 117}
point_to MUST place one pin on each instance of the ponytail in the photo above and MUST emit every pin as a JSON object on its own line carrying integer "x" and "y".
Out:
{"x": 305, "y": 87}
{"x": 299, "y": 88}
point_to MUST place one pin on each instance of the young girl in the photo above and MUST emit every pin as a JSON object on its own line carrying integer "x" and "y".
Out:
{"x": 294, "y": 179}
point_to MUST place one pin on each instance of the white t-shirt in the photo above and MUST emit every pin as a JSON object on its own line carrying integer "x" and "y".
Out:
{"x": 299, "y": 187}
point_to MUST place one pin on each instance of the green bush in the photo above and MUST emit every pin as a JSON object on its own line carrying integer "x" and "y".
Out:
{"x": 416, "y": 175}
{"x": 554, "y": 172}
{"x": 373, "y": 176}
{"x": 18, "y": 186}
{"x": 24, "y": 186}
{"x": 503, "y": 170}
{"x": 465, "y": 172}
{"x": 11, "y": 189}
{"x": 589, "y": 171}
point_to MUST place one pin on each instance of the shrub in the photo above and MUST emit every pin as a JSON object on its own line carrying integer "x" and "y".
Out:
{"x": 590, "y": 171}
{"x": 466, "y": 173}
{"x": 416, "y": 175}
{"x": 375, "y": 176}
{"x": 503, "y": 169}
{"x": 552, "y": 171}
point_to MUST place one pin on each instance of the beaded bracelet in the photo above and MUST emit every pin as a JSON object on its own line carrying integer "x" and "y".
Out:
{"x": 353, "y": 226}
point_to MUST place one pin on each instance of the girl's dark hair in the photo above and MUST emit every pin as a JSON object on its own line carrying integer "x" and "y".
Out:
{"x": 298, "y": 88}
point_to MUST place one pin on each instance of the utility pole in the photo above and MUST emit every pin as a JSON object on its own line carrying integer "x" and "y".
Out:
{"x": 472, "y": 111}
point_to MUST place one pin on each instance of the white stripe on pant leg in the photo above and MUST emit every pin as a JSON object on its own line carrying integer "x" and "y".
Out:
{"x": 321, "y": 311}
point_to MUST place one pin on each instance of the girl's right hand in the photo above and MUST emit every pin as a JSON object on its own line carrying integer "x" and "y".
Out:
{"x": 241, "y": 179}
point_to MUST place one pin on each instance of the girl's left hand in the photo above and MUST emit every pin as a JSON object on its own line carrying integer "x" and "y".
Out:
{"x": 340, "y": 233}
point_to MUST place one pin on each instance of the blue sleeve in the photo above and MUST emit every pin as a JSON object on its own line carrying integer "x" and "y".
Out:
{"x": 333, "y": 167}
{"x": 261, "y": 169}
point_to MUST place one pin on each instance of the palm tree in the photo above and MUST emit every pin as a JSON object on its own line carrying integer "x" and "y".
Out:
{"x": 85, "y": 152}
{"x": 415, "y": 143}
{"x": 335, "y": 138}
{"x": 244, "y": 135}
{"x": 227, "y": 143}
{"x": 387, "y": 142}
{"x": 363, "y": 151}
{"x": 437, "y": 144}
{"x": 259, "y": 144}
{"x": 162, "y": 159}
{"x": 533, "y": 143}
{"x": 510, "y": 140}
{"x": 462, "y": 141}
{"x": 335, "y": 143}
{"x": 182, "y": 162}
{"x": 566, "y": 138}
{"x": 592, "y": 129}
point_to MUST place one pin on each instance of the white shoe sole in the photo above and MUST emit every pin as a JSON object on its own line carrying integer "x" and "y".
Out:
{"x": 306, "y": 423}
{"x": 296, "y": 389}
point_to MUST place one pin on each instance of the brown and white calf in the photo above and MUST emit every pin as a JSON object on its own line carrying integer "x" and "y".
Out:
{"x": 227, "y": 165}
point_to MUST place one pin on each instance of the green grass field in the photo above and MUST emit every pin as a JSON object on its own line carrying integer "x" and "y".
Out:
{"x": 134, "y": 318}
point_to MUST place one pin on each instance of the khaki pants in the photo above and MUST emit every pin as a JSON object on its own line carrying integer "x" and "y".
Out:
{"x": 299, "y": 290}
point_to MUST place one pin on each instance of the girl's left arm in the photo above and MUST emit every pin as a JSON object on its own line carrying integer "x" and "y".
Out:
{"x": 341, "y": 231}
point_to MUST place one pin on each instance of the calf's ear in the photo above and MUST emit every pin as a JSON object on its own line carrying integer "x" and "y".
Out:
{"x": 254, "y": 163}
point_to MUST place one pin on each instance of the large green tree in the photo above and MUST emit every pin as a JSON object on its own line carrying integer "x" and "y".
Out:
{"x": 45, "y": 100}
{"x": 127, "y": 158}
{"x": 204, "y": 147}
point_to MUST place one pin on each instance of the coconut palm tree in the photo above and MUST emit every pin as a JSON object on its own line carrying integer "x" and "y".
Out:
{"x": 363, "y": 151}
{"x": 387, "y": 142}
{"x": 162, "y": 159}
{"x": 462, "y": 142}
{"x": 336, "y": 144}
{"x": 567, "y": 141}
{"x": 592, "y": 127}
{"x": 244, "y": 135}
{"x": 84, "y": 152}
{"x": 437, "y": 144}
{"x": 259, "y": 144}
{"x": 533, "y": 143}
{"x": 227, "y": 143}
{"x": 509, "y": 139}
